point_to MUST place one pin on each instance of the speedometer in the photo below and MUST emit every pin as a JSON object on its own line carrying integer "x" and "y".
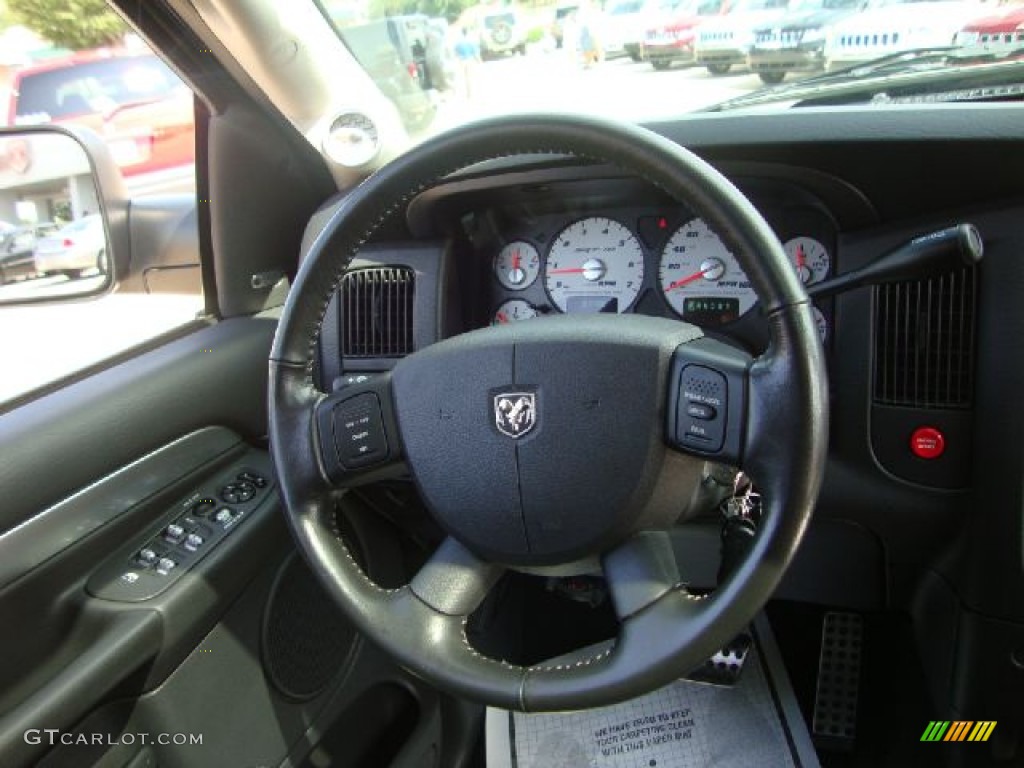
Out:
{"x": 700, "y": 279}
{"x": 594, "y": 265}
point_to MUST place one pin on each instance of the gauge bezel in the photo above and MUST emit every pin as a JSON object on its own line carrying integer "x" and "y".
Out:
{"x": 644, "y": 256}
{"x": 659, "y": 282}
{"x": 824, "y": 248}
{"x": 540, "y": 264}
{"x": 512, "y": 300}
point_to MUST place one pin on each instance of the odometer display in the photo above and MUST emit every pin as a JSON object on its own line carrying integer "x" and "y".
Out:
{"x": 594, "y": 265}
{"x": 702, "y": 310}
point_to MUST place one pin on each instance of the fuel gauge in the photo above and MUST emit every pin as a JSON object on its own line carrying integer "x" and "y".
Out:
{"x": 513, "y": 310}
{"x": 517, "y": 265}
{"x": 810, "y": 258}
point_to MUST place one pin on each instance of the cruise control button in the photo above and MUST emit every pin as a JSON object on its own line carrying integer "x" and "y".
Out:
{"x": 700, "y": 411}
{"x": 359, "y": 431}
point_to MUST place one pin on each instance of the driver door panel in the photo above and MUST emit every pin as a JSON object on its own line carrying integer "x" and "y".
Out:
{"x": 243, "y": 650}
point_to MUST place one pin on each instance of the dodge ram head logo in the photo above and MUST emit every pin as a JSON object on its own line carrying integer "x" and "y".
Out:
{"x": 515, "y": 413}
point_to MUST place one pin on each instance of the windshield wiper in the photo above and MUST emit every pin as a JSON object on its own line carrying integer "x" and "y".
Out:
{"x": 966, "y": 73}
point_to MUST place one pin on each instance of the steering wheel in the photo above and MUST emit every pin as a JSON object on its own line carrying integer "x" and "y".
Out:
{"x": 559, "y": 443}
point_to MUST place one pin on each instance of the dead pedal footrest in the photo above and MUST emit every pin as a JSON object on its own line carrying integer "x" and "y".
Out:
{"x": 835, "y": 700}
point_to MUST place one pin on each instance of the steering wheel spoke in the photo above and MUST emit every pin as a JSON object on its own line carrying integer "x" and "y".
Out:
{"x": 357, "y": 436}
{"x": 454, "y": 581}
{"x": 640, "y": 571}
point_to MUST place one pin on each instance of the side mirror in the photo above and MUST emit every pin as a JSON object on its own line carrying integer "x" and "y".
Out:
{"x": 63, "y": 215}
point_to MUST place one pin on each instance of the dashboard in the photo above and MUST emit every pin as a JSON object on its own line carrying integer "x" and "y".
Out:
{"x": 513, "y": 239}
{"x": 579, "y": 240}
{"x": 648, "y": 260}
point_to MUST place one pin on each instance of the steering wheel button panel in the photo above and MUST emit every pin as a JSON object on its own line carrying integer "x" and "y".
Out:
{"x": 359, "y": 431}
{"x": 702, "y": 408}
{"x": 709, "y": 386}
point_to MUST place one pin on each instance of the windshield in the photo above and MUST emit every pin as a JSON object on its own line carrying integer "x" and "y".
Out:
{"x": 641, "y": 60}
{"x": 749, "y": 6}
{"x": 798, "y": 6}
{"x": 632, "y": 6}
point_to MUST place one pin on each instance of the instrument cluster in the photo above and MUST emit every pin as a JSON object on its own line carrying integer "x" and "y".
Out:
{"x": 661, "y": 262}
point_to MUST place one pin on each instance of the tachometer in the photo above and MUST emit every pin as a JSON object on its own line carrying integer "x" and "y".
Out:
{"x": 594, "y": 265}
{"x": 701, "y": 279}
{"x": 517, "y": 265}
{"x": 810, "y": 258}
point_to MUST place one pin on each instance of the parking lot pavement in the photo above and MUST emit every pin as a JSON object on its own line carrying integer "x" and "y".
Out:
{"x": 619, "y": 88}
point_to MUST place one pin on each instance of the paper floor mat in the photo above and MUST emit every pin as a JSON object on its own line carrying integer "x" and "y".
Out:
{"x": 756, "y": 723}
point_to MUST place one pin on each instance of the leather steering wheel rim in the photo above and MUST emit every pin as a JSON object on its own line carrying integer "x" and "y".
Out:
{"x": 667, "y": 632}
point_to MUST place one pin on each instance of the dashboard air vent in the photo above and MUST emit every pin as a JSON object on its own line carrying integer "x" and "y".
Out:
{"x": 924, "y": 342}
{"x": 377, "y": 312}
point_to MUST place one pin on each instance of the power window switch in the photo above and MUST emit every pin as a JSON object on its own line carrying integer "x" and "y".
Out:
{"x": 147, "y": 557}
{"x": 223, "y": 516}
{"x": 174, "y": 533}
{"x": 193, "y": 542}
{"x": 165, "y": 566}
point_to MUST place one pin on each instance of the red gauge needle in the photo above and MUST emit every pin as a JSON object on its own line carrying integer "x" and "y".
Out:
{"x": 578, "y": 271}
{"x": 689, "y": 279}
{"x": 502, "y": 317}
{"x": 515, "y": 259}
{"x": 801, "y": 259}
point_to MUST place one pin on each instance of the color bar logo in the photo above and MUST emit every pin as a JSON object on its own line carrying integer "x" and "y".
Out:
{"x": 958, "y": 730}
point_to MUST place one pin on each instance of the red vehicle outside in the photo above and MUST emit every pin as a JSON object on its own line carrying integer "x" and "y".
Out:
{"x": 130, "y": 98}
{"x": 672, "y": 41}
{"x": 1004, "y": 28}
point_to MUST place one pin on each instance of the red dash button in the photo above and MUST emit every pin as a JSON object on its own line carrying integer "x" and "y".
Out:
{"x": 927, "y": 443}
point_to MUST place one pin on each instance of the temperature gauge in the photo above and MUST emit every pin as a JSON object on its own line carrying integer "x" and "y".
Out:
{"x": 512, "y": 310}
{"x": 810, "y": 258}
{"x": 517, "y": 265}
